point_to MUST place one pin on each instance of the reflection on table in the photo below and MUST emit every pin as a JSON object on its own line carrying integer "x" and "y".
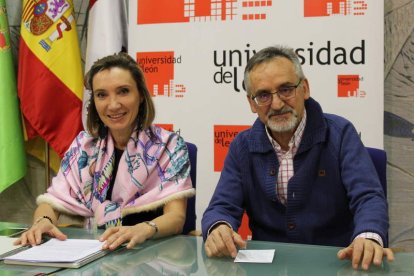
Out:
{"x": 172, "y": 256}
{"x": 184, "y": 255}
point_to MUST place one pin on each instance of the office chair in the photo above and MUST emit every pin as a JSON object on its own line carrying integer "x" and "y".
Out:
{"x": 190, "y": 221}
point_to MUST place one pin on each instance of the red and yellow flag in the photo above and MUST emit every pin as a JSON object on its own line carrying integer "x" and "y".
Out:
{"x": 50, "y": 78}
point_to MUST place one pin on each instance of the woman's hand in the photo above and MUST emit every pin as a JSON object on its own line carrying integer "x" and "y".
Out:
{"x": 33, "y": 235}
{"x": 116, "y": 236}
{"x": 170, "y": 223}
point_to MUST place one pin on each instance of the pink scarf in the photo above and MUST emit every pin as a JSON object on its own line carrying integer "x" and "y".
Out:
{"x": 153, "y": 170}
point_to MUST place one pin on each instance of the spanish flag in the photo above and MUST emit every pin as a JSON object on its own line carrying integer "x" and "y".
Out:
{"x": 50, "y": 78}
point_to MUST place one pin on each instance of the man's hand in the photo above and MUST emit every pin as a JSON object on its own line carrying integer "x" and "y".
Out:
{"x": 223, "y": 242}
{"x": 363, "y": 251}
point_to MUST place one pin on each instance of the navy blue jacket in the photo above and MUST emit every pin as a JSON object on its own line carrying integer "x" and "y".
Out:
{"x": 334, "y": 195}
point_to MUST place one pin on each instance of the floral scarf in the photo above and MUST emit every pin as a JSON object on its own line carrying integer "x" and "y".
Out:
{"x": 154, "y": 169}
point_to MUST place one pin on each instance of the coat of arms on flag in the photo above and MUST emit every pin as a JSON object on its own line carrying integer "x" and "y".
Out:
{"x": 40, "y": 15}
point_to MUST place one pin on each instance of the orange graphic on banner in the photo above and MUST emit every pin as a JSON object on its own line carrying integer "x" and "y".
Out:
{"x": 316, "y": 8}
{"x": 158, "y": 68}
{"x": 202, "y": 8}
{"x": 255, "y": 5}
{"x": 184, "y": 11}
{"x": 348, "y": 85}
{"x": 160, "y": 11}
{"x": 169, "y": 127}
{"x": 223, "y": 136}
{"x": 244, "y": 229}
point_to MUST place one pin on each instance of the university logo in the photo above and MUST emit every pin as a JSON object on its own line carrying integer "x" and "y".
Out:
{"x": 229, "y": 66}
{"x": 348, "y": 86}
{"x": 182, "y": 11}
{"x": 40, "y": 16}
{"x": 223, "y": 136}
{"x": 317, "y": 8}
{"x": 158, "y": 68}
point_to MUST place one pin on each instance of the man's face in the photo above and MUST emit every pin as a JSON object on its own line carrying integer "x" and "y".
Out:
{"x": 280, "y": 116}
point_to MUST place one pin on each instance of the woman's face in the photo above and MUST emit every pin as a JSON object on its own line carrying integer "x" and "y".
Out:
{"x": 117, "y": 100}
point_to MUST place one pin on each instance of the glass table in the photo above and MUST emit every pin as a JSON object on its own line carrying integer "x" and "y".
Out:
{"x": 184, "y": 255}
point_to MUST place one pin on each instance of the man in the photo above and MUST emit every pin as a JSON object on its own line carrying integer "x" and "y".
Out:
{"x": 302, "y": 176}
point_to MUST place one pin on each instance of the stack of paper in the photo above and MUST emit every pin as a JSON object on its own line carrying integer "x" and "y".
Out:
{"x": 68, "y": 253}
{"x": 7, "y": 247}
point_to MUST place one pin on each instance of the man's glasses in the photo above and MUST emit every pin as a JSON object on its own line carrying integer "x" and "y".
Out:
{"x": 285, "y": 92}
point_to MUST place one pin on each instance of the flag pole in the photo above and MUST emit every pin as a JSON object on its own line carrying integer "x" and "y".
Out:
{"x": 47, "y": 167}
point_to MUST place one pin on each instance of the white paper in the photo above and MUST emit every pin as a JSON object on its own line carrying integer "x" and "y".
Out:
{"x": 6, "y": 244}
{"x": 255, "y": 256}
{"x": 54, "y": 250}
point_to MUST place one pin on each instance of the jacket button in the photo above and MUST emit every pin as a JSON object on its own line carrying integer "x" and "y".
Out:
{"x": 291, "y": 225}
{"x": 272, "y": 172}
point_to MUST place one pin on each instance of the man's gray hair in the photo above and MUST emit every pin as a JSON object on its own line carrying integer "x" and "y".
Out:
{"x": 268, "y": 54}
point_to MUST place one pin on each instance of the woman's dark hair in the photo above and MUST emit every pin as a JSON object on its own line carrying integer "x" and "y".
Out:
{"x": 121, "y": 60}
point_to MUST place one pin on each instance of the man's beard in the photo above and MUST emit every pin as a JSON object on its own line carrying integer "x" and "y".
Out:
{"x": 282, "y": 124}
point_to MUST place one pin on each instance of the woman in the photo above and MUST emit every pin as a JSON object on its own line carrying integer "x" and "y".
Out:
{"x": 130, "y": 175}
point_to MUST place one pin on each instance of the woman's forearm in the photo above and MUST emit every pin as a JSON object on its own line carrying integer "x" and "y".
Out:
{"x": 173, "y": 219}
{"x": 45, "y": 211}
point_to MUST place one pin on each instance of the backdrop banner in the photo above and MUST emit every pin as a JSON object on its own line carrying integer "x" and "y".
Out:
{"x": 193, "y": 54}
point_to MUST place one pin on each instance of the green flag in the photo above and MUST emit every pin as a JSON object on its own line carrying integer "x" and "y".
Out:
{"x": 12, "y": 152}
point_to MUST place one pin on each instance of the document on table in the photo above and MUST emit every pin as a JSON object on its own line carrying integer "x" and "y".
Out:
{"x": 68, "y": 253}
{"x": 255, "y": 256}
{"x": 7, "y": 247}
